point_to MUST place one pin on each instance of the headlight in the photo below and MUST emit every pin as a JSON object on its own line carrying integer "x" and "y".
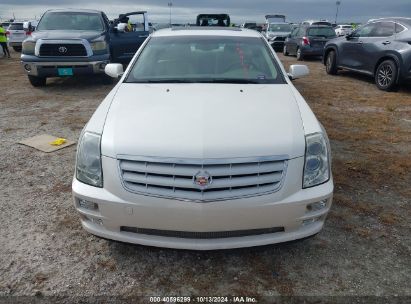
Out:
{"x": 28, "y": 47}
{"x": 317, "y": 160}
{"x": 99, "y": 45}
{"x": 88, "y": 165}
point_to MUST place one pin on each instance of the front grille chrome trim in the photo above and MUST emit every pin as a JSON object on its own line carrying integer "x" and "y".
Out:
{"x": 172, "y": 178}
{"x": 82, "y": 42}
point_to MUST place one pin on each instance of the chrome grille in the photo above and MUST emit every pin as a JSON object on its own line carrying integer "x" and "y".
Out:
{"x": 228, "y": 179}
{"x": 71, "y": 50}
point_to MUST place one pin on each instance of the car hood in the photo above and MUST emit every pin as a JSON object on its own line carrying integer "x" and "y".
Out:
{"x": 203, "y": 121}
{"x": 88, "y": 35}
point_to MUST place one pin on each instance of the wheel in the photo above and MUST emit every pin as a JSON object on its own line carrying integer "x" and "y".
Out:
{"x": 17, "y": 48}
{"x": 105, "y": 79}
{"x": 386, "y": 75}
{"x": 300, "y": 56}
{"x": 331, "y": 63}
{"x": 285, "y": 52}
{"x": 37, "y": 81}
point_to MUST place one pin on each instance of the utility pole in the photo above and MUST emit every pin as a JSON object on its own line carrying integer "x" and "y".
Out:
{"x": 170, "y": 5}
{"x": 338, "y": 3}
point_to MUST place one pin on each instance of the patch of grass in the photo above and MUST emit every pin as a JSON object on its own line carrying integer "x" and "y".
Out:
{"x": 39, "y": 278}
{"x": 388, "y": 218}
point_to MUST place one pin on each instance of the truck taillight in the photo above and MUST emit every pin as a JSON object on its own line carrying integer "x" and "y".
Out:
{"x": 7, "y": 33}
{"x": 28, "y": 33}
{"x": 306, "y": 41}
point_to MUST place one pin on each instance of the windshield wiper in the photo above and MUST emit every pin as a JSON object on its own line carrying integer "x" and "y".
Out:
{"x": 230, "y": 80}
{"x": 215, "y": 80}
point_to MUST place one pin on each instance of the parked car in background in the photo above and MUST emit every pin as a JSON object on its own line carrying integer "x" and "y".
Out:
{"x": 70, "y": 42}
{"x": 275, "y": 18}
{"x": 249, "y": 25}
{"x": 381, "y": 49}
{"x": 343, "y": 29}
{"x": 213, "y": 20}
{"x": 198, "y": 175}
{"x": 16, "y": 35}
{"x": 317, "y": 22}
{"x": 308, "y": 40}
{"x": 6, "y": 24}
{"x": 276, "y": 34}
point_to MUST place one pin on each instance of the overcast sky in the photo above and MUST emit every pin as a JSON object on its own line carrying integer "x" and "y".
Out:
{"x": 239, "y": 10}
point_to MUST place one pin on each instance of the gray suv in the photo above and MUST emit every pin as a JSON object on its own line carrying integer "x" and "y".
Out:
{"x": 380, "y": 48}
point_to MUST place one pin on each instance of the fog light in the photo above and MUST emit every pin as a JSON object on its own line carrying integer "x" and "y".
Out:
{"x": 311, "y": 221}
{"x": 317, "y": 206}
{"x": 97, "y": 221}
{"x": 27, "y": 67}
{"x": 87, "y": 205}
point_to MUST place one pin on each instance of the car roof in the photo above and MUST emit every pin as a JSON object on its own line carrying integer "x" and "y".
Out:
{"x": 405, "y": 20}
{"x": 75, "y": 10}
{"x": 280, "y": 22}
{"x": 307, "y": 26}
{"x": 207, "y": 31}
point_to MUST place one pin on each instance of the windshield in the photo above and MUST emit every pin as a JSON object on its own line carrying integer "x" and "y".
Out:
{"x": 205, "y": 59}
{"x": 71, "y": 21}
{"x": 321, "y": 32}
{"x": 16, "y": 26}
{"x": 280, "y": 27}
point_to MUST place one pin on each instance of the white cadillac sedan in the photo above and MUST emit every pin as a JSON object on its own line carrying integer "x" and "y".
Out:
{"x": 203, "y": 144}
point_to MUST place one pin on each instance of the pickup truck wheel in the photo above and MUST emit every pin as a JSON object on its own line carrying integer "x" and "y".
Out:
{"x": 17, "y": 48}
{"x": 300, "y": 56}
{"x": 37, "y": 81}
{"x": 331, "y": 63}
{"x": 105, "y": 79}
{"x": 386, "y": 76}
{"x": 285, "y": 52}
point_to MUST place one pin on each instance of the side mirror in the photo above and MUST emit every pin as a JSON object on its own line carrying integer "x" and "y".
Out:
{"x": 27, "y": 26}
{"x": 121, "y": 27}
{"x": 114, "y": 70}
{"x": 298, "y": 71}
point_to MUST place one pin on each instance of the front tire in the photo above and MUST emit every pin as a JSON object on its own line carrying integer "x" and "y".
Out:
{"x": 386, "y": 75}
{"x": 331, "y": 63}
{"x": 285, "y": 52}
{"x": 107, "y": 80}
{"x": 300, "y": 56}
{"x": 37, "y": 81}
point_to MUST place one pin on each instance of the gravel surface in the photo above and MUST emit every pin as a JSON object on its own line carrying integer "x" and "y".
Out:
{"x": 364, "y": 249}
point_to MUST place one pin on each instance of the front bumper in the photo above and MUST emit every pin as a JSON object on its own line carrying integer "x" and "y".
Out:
{"x": 48, "y": 66}
{"x": 286, "y": 209}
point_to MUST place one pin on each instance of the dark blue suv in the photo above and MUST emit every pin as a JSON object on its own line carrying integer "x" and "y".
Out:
{"x": 70, "y": 42}
{"x": 308, "y": 40}
{"x": 380, "y": 48}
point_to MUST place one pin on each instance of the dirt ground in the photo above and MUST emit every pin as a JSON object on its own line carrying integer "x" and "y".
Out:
{"x": 364, "y": 249}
